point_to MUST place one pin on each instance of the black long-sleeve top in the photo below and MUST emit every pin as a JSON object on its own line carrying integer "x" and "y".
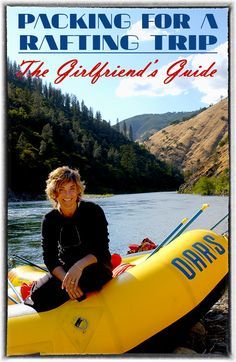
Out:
{"x": 65, "y": 240}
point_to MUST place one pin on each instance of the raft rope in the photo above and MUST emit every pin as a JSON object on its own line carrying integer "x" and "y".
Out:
{"x": 213, "y": 227}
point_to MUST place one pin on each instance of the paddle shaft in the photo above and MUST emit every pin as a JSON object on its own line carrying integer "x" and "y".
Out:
{"x": 190, "y": 222}
{"x": 30, "y": 262}
{"x": 168, "y": 237}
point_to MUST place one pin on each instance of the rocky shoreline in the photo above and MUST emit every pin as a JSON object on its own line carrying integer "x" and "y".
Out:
{"x": 211, "y": 335}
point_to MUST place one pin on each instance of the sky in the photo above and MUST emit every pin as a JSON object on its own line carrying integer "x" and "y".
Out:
{"x": 121, "y": 98}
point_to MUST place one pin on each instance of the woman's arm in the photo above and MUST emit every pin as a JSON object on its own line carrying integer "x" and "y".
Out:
{"x": 72, "y": 277}
{"x": 49, "y": 243}
{"x": 73, "y": 292}
{"x": 59, "y": 273}
{"x": 99, "y": 241}
{"x": 74, "y": 273}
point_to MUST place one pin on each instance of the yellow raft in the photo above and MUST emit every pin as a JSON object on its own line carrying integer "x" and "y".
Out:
{"x": 143, "y": 301}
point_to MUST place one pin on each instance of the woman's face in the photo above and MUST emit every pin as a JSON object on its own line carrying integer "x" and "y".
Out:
{"x": 67, "y": 196}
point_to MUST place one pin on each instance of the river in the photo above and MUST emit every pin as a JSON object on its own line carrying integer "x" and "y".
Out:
{"x": 131, "y": 218}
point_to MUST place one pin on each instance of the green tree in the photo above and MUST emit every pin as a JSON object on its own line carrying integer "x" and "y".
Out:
{"x": 47, "y": 144}
{"x": 97, "y": 151}
{"x": 128, "y": 159}
{"x": 113, "y": 156}
{"x": 98, "y": 116}
{"x": 131, "y": 136}
{"x": 117, "y": 128}
{"x": 204, "y": 186}
{"x": 124, "y": 129}
{"x": 87, "y": 145}
{"x": 222, "y": 183}
{"x": 26, "y": 152}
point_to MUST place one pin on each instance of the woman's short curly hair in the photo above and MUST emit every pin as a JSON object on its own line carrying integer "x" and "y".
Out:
{"x": 57, "y": 177}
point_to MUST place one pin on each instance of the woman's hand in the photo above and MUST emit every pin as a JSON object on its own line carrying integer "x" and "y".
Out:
{"x": 74, "y": 292}
{"x": 71, "y": 281}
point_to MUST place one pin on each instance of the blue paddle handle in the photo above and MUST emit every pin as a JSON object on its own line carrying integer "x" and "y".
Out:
{"x": 204, "y": 206}
{"x": 190, "y": 222}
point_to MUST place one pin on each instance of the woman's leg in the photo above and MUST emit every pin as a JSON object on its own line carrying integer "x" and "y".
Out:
{"x": 47, "y": 294}
{"x": 93, "y": 278}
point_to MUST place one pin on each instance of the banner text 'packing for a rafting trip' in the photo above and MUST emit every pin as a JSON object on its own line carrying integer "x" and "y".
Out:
{"x": 42, "y": 34}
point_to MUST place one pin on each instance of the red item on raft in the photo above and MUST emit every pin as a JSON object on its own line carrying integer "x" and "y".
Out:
{"x": 115, "y": 260}
{"x": 145, "y": 245}
{"x": 134, "y": 247}
{"x": 25, "y": 290}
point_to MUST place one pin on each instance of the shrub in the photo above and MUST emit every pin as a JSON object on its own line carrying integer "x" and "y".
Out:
{"x": 213, "y": 185}
{"x": 204, "y": 186}
{"x": 222, "y": 184}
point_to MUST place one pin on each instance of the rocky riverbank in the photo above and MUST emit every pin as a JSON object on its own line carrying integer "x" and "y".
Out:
{"x": 211, "y": 335}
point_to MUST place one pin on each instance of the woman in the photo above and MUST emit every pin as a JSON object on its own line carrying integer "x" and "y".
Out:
{"x": 75, "y": 244}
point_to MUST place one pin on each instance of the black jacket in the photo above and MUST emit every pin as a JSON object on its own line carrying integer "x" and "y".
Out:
{"x": 65, "y": 240}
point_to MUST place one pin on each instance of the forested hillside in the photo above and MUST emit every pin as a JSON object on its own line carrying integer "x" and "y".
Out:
{"x": 47, "y": 129}
{"x": 141, "y": 127}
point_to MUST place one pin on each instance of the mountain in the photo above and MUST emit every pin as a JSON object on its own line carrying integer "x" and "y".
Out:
{"x": 145, "y": 125}
{"x": 198, "y": 147}
{"x": 48, "y": 129}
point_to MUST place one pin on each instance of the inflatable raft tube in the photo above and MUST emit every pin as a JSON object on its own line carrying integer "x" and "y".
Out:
{"x": 24, "y": 274}
{"x": 145, "y": 300}
{"x": 28, "y": 274}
